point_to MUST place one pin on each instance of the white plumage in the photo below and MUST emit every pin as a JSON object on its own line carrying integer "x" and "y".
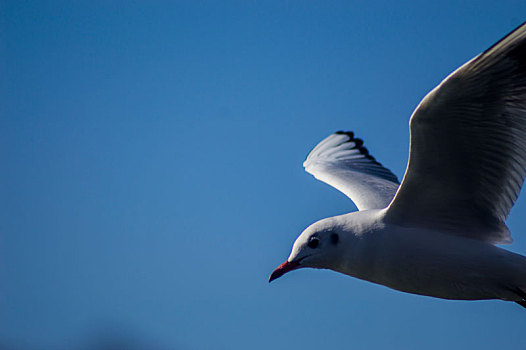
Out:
{"x": 434, "y": 234}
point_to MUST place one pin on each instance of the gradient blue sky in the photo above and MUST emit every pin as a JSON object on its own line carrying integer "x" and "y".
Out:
{"x": 152, "y": 176}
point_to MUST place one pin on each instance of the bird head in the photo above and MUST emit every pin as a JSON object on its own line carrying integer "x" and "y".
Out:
{"x": 316, "y": 247}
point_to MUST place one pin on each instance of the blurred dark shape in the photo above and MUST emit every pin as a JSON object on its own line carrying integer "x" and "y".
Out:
{"x": 108, "y": 339}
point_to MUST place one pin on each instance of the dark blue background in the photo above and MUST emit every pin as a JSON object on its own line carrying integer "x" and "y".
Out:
{"x": 151, "y": 170}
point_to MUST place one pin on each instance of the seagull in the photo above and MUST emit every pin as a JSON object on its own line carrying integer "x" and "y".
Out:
{"x": 435, "y": 234}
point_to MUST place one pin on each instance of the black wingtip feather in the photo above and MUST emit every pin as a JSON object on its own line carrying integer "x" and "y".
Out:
{"x": 352, "y": 143}
{"x": 348, "y": 133}
{"x": 358, "y": 144}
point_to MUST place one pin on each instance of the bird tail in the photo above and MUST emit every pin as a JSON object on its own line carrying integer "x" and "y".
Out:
{"x": 522, "y": 294}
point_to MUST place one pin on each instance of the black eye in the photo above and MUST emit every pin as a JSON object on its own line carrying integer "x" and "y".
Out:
{"x": 313, "y": 242}
{"x": 335, "y": 238}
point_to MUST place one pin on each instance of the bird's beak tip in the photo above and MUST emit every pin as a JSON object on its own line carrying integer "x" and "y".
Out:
{"x": 283, "y": 269}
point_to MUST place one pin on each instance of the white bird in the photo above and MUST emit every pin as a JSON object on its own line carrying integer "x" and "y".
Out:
{"x": 434, "y": 234}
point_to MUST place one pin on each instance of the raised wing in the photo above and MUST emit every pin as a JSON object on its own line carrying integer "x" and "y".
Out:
{"x": 467, "y": 158}
{"x": 343, "y": 162}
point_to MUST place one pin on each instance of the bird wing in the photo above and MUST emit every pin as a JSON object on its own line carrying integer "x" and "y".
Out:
{"x": 343, "y": 162}
{"x": 467, "y": 158}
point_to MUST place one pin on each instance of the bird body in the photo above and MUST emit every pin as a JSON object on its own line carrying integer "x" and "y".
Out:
{"x": 418, "y": 261}
{"x": 435, "y": 232}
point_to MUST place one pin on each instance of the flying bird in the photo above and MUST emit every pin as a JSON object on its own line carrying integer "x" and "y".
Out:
{"x": 435, "y": 233}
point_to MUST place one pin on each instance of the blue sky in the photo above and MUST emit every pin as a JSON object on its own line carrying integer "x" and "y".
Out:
{"x": 152, "y": 172}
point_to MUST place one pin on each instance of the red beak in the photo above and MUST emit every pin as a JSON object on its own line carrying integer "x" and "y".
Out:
{"x": 283, "y": 269}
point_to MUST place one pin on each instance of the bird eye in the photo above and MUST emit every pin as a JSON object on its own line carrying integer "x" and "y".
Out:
{"x": 313, "y": 242}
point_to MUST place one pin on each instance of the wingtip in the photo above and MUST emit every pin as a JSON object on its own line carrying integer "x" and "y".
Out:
{"x": 337, "y": 145}
{"x": 348, "y": 133}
